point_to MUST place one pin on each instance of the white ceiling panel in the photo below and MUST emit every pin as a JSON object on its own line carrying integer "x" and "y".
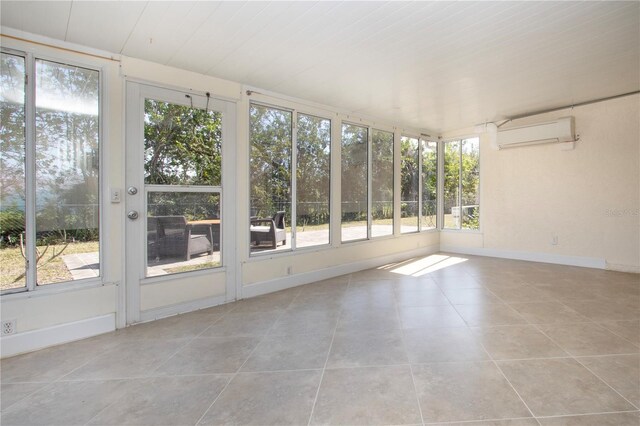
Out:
{"x": 430, "y": 65}
{"x": 103, "y": 24}
{"x": 47, "y": 18}
{"x": 165, "y": 27}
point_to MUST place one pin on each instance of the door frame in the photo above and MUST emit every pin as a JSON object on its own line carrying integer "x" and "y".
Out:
{"x": 135, "y": 238}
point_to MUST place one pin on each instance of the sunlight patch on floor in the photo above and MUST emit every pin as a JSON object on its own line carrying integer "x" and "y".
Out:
{"x": 428, "y": 264}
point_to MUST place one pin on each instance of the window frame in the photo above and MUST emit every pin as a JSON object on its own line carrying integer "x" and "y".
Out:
{"x": 441, "y": 176}
{"x": 294, "y": 109}
{"x": 31, "y": 286}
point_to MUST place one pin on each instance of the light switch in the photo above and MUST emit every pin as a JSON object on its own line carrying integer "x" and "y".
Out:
{"x": 115, "y": 195}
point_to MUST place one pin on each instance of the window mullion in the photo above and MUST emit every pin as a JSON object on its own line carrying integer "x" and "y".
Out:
{"x": 294, "y": 180}
{"x": 460, "y": 184}
{"x": 420, "y": 180}
{"x": 369, "y": 182}
{"x": 30, "y": 173}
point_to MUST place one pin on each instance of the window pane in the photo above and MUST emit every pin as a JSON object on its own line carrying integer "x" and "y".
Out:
{"x": 183, "y": 232}
{"x": 451, "y": 184}
{"x": 382, "y": 182}
{"x": 12, "y": 172}
{"x": 182, "y": 145}
{"x": 270, "y": 168}
{"x": 429, "y": 184}
{"x": 471, "y": 183}
{"x": 409, "y": 175}
{"x": 67, "y": 160}
{"x": 313, "y": 181}
{"x": 354, "y": 182}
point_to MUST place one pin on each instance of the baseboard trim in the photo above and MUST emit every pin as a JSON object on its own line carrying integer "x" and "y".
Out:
{"x": 586, "y": 262}
{"x": 181, "y": 308}
{"x": 33, "y": 340}
{"x": 283, "y": 283}
{"x": 619, "y": 267}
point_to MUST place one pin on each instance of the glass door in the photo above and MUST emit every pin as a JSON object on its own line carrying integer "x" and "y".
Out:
{"x": 175, "y": 199}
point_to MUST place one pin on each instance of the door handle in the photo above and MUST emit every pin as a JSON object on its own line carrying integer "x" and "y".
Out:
{"x": 132, "y": 190}
{"x": 133, "y": 215}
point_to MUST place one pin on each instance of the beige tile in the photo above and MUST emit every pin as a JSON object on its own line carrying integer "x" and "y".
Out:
{"x": 425, "y": 297}
{"x": 613, "y": 419}
{"x": 210, "y": 355}
{"x": 305, "y": 321}
{"x": 621, "y": 372}
{"x": 456, "y": 282}
{"x": 332, "y": 285}
{"x": 243, "y": 324}
{"x": 367, "y": 349}
{"x": 52, "y": 363}
{"x": 364, "y": 320}
{"x": 414, "y": 284}
{"x": 510, "y": 422}
{"x": 317, "y": 301}
{"x": 548, "y": 313}
{"x": 10, "y": 393}
{"x": 471, "y": 296}
{"x": 517, "y": 342}
{"x": 606, "y": 310}
{"x": 134, "y": 358}
{"x": 465, "y": 391}
{"x": 443, "y": 345}
{"x": 552, "y": 387}
{"x": 519, "y": 293}
{"x": 630, "y": 329}
{"x": 587, "y": 339}
{"x": 377, "y": 297}
{"x": 290, "y": 352}
{"x": 175, "y": 327}
{"x": 269, "y": 302}
{"x": 365, "y": 396}
{"x": 489, "y": 315}
{"x": 163, "y": 400}
{"x": 430, "y": 317}
{"x": 64, "y": 403}
{"x": 274, "y": 398}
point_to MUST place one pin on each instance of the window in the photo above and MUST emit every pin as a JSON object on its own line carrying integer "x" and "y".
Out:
{"x": 429, "y": 216}
{"x": 355, "y": 179}
{"x": 183, "y": 183}
{"x": 462, "y": 184}
{"x": 313, "y": 177}
{"x": 381, "y": 183}
{"x": 409, "y": 177}
{"x": 270, "y": 169}
{"x": 290, "y": 179}
{"x": 51, "y": 219}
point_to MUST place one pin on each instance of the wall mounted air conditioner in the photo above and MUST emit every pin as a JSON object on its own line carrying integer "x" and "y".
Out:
{"x": 561, "y": 130}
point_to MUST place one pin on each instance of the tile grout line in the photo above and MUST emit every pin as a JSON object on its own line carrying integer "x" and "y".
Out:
{"x": 574, "y": 357}
{"x": 234, "y": 375}
{"x": 507, "y": 379}
{"x": 597, "y": 413}
{"x": 404, "y": 347}
{"x": 161, "y": 363}
{"x": 326, "y": 361}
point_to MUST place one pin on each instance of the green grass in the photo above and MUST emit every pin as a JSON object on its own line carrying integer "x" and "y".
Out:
{"x": 12, "y": 264}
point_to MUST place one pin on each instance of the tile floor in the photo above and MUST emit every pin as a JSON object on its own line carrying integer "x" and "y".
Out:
{"x": 441, "y": 339}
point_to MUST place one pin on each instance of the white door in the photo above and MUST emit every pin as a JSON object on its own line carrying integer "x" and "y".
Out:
{"x": 179, "y": 201}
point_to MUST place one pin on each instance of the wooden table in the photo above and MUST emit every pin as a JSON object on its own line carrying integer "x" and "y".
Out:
{"x": 208, "y": 222}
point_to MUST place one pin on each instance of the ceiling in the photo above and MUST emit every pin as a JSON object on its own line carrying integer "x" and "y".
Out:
{"x": 428, "y": 65}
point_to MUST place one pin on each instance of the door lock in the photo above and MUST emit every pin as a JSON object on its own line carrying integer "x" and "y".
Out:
{"x": 132, "y": 190}
{"x": 133, "y": 215}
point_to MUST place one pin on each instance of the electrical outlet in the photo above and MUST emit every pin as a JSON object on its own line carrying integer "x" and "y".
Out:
{"x": 115, "y": 195}
{"x": 8, "y": 327}
{"x": 554, "y": 240}
{"x": 289, "y": 270}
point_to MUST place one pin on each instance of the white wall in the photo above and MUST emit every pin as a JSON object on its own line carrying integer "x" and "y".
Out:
{"x": 588, "y": 197}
